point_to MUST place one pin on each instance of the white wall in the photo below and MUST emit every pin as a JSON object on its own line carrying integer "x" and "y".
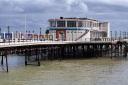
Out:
{"x": 86, "y": 37}
{"x": 53, "y": 33}
{"x": 108, "y": 35}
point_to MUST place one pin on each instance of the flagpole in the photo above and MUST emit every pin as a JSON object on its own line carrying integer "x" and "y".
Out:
{"x": 25, "y": 28}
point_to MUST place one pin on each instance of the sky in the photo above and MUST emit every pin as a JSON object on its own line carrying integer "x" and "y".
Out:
{"x": 37, "y": 13}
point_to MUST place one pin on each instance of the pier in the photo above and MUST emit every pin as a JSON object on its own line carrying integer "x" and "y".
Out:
{"x": 65, "y": 38}
{"x": 35, "y": 51}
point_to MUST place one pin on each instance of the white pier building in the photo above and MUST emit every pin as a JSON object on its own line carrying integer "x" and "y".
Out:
{"x": 78, "y": 29}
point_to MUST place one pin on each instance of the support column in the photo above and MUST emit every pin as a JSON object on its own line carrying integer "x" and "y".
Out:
{"x": 26, "y": 57}
{"x": 37, "y": 56}
{"x": 111, "y": 50}
{"x": 2, "y": 60}
{"x": 6, "y": 62}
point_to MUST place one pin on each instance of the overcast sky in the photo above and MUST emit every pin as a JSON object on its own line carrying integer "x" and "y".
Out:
{"x": 12, "y": 12}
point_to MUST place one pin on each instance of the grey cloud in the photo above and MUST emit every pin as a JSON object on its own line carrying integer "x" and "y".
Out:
{"x": 107, "y": 8}
{"x": 12, "y": 12}
{"x": 36, "y": 6}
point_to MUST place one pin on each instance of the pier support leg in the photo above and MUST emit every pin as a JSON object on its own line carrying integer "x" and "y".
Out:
{"x": 37, "y": 57}
{"x": 2, "y": 60}
{"x": 6, "y": 63}
{"x": 4, "y": 56}
{"x": 38, "y": 60}
{"x": 111, "y": 51}
{"x": 26, "y": 61}
{"x": 26, "y": 57}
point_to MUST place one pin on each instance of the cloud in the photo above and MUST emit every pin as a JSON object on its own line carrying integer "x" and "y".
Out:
{"x": 41, "y": 6}
{"x": 112, "y": 2}
{"x": 39, "y": 11}
{"x": 36, "y": 6}
{"x": 78, "y": 3}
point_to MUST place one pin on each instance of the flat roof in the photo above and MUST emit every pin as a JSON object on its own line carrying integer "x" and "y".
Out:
{"x": 71, "y": 18}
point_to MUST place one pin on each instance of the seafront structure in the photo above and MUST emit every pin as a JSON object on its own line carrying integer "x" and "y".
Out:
{"x": 66, "y": 38}
{"x": 20, "y": 37}
{"x": 78, "y": 29}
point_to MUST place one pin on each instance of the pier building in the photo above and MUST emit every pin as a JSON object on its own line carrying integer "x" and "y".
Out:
{"x": 78, "y": 29}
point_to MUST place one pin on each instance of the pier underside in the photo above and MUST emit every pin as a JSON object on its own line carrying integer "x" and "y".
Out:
{"x": 35, "y": 53}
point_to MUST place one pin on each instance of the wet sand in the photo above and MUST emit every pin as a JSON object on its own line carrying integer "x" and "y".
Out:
{"x": 100, "y": 71}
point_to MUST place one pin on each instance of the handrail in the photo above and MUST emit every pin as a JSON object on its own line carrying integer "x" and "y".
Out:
{"x": 82, "y": 35}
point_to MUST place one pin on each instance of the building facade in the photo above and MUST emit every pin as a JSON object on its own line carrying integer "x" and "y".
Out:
{"x": 77, "y": 29}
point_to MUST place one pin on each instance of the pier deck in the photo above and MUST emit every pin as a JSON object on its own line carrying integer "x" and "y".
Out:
{"x": 16, "y": 44}
{"x": 45, "y": 50}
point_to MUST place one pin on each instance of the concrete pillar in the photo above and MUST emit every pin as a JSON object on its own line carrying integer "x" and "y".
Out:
{"x": 108, "y": 35}
{"x": 65, "y": 23}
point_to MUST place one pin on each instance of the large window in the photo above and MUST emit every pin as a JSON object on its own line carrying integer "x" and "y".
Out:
{"x": 60, "y": 23}
{"x": 87, "y": 24}
{"x": 53, "y": 23}
{"x": 71, "y": 23}
{"x": 91, "y": 24}
{"x": 80, "y": 24}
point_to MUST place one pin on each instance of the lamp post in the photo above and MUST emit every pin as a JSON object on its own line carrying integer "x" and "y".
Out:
{"x": 111, "y": 35}
{"x": 26, "y": 35}
{"x": 115, "y": 35}
{"x": 127, "y": 35}
{"x": 16, "y": 35}
{"x": 9, "y": 34}
{"x": 0, "y": 30}
{"x": 40, "y": 34}
{"x": 40, "y": 30}
{"x": 120, "y": 35}
{"x": 33, "y": 34}
{"x": 0, "y": 34}
{"x": 72, "y": 35}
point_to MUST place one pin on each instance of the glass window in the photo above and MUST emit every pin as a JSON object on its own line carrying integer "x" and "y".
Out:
{"x": 88, "y": 24}
{"x": 80, "y": 24}
{"x": 53, "y": 23}
{"x": 60, "y": 23}
{"x": 71, "y": 23}
{"x": 94, "y": 25}
{"x": 91, "y": 24}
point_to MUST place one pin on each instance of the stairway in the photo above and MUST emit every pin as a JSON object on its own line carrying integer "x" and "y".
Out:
{"x": 86, "y": 31}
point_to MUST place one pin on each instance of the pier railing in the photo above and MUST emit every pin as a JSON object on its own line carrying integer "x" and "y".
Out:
{"x": 105, "y": 39}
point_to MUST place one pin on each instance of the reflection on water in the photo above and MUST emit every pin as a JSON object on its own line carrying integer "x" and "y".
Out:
{"x": 101, "y": 71}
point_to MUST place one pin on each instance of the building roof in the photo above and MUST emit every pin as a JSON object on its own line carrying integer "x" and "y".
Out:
{"x": 72, "y": 18}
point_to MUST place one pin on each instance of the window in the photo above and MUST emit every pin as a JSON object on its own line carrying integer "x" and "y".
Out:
{"x": 71, "y": 23}
{"x": 91, "y": 24}
{"x": 53, "y": 23}
{"x": 60, "y": 23}
{"x": 88, "y": 24}
{"x": 80, "y": 24}
{"x": 94, "y": 24}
